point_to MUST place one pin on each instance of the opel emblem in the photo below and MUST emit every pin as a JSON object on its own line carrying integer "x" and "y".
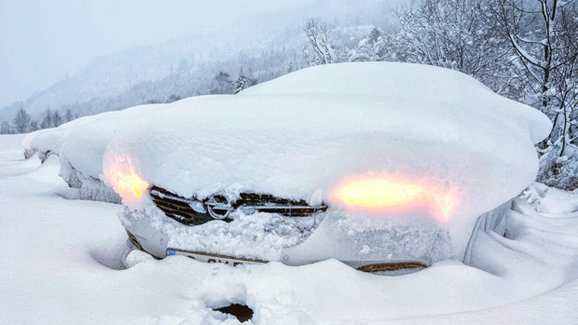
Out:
{"x": 219, "y": 207}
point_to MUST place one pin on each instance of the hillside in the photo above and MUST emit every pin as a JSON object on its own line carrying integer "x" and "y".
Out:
{"x": 187, "y": 65}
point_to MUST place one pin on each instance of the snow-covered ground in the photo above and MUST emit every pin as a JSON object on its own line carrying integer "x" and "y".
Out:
{"x": 60, "y": 265}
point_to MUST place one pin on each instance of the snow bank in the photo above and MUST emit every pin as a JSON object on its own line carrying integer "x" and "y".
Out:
{"x": 308, "y": 134}
{"x": 10, "y": 148}
{"x": 545, "y": 242}
{"x": 552, "y": 202}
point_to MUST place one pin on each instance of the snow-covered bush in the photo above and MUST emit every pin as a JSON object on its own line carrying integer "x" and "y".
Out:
{"x": 560, "y": 171}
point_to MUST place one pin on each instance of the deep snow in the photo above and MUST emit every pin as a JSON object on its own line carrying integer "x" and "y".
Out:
{"x": 59, "y": 259}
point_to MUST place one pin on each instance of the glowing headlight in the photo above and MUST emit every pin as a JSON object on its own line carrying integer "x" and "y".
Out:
{"x": 396, "y": 194}
{"x": 131, "y": 185}
{"x": 379, "y": 193}
{"x": 125, "y": 181}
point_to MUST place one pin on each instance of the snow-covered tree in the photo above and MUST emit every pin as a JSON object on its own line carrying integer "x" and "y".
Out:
{"x": 173, "y": 98}
{"x": 222, "y": 84}
{"x": 451, "y": 34}
{"x": 21, "y": 121}
{"x": 68, "y": 116}
{"x": 244, "y": 81}
{"x": 544, "y": 37}
{"x": 34, "y": 126}
{"x": 240, "y": 83}
{"x": 319, "y": 50}
{"x": 370, "y": 48}
{"x": 5, "y": 128}
{"x": 46, "y": 119}
{"x": 57, "y": 119}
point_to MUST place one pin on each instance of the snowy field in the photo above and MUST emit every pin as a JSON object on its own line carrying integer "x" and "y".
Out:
{"x": 60, "y": 265}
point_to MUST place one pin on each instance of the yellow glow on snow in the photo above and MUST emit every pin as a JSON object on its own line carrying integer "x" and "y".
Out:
{"x": 396, "y": 194}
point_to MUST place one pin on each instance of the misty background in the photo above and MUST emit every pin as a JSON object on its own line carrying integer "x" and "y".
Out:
{"x": 43, "y": 42}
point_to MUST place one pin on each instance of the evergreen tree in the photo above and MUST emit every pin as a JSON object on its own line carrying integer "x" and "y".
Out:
{"x": 33, "y": 126}
{"x": 21, "y": 121}
{"x": 371, "y": 48}
{"x": 46, "y": 120}
{"x": 222, "y": 84}
{"x": 244, "y": 81}
{"x": 5, "y": 128}
{"x": 56, "y": 119}
{"x": 173, "y": 98}
{"x": 241, "y": 82}
{"x": 68, "y": 116}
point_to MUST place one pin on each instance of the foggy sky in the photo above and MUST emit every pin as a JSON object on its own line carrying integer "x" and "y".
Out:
{"x": 43, "y": 41}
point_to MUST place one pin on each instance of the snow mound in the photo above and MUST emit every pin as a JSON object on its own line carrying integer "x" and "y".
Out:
{"x": 310, "y": 133}
{"x": 552, "y": 202}
{"x": 545, "y": 242}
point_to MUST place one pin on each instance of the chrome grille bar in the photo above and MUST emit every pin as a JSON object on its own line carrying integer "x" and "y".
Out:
{"x": 192, "y": 211}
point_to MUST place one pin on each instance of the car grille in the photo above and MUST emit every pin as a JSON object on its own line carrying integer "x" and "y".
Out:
{"x": 193, "y": 212}
{"x": 177, "y": 207}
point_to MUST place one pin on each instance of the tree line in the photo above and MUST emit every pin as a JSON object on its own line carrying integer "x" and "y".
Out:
{"x": 23, "y": 122}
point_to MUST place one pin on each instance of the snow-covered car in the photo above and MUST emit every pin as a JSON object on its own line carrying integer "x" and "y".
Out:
{"x": 80, "y": 145}
{"x": 46, "y": 142}
{"x": 82, "y": 149}
{"x": 379, "y": 165}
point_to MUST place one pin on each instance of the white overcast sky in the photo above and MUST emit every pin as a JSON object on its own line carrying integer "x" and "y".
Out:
{"x": 43, "y": 40}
